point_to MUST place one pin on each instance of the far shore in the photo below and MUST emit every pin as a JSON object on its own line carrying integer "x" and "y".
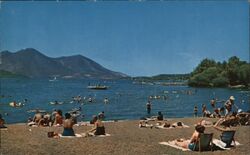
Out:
{"x": 126, "y": 138}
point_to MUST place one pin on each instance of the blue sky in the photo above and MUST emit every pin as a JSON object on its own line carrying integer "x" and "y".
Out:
{"x": 136, "y": 38}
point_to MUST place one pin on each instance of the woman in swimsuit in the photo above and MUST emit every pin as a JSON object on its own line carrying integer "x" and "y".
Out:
{"x": 58, "y": 118}
{"x": 68, "y": 126}
{"x": 190, "y": 144}
{"x": 99, "y": 128}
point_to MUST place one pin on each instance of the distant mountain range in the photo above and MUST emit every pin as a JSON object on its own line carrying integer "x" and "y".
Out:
{"x": 31, "y": 63}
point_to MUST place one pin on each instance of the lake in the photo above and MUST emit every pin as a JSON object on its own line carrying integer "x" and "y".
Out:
{"x": 127, "y": 100}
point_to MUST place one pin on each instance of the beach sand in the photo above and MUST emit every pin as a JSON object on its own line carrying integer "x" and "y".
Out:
{"x": 126, "y": 138}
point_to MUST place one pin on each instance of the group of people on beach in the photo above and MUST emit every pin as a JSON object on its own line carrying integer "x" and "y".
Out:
{"x": 218, "y": 112}
{"x": 67, "y": 122}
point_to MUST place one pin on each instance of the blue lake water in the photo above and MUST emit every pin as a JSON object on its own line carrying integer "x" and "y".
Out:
{"x": 126, "y": 99}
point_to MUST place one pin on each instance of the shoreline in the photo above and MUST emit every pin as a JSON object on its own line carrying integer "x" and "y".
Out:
{"x": 126, "y": 138}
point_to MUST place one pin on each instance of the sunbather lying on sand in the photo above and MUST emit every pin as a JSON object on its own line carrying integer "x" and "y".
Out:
{"x": 190, "y": 144}
{"x": 168, "y": 125}
{"x": 144, "y": 124}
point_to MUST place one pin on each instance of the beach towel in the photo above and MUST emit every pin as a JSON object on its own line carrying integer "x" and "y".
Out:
{"x": 172, "y": 144}
{"x": 151, "y": 119}
{"x": 3, "y": 129}
{"x": 76, "y": 136}
{"x": 93, "y": 135}
{"x": 223, "y": 145}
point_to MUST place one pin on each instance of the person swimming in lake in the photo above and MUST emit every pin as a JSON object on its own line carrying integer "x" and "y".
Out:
{"x": 68, "y": 126}
{"x": 213, "y": 102}
{"x": 98, "y": 129}
{"x": 148, "y": 105}
{"x": 190, "y": 144}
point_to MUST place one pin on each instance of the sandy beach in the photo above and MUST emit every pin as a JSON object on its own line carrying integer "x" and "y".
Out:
{"x": 126, "y": 138}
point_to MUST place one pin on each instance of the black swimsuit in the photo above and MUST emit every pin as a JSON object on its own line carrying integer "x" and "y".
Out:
{"x": 100, "y": 130}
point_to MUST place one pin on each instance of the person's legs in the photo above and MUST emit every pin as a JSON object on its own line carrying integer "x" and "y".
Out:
{"x": 183, "y": 144}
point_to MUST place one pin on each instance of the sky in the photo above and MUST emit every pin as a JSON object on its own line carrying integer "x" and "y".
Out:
{"x": 135, "y": 38}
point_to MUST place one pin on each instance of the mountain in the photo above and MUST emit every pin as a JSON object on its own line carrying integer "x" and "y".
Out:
{"x": 31, "y": 63}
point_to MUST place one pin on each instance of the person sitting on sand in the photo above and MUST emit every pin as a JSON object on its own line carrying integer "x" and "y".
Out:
{"x": 190, "y": 144}
{"x": 160, "y": 116}
{"x": 68, "y": 126}
{"x": 37, "y": 117}
{"x": 47, "y": 118}
{"x": 43, "y": 122}
{"x": 2, "y": 122}
{"x": 98, "y": 129}
{"x": 58, "y": 118}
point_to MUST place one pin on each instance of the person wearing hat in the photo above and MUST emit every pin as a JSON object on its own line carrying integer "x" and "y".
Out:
{"x": 228, "y": 105}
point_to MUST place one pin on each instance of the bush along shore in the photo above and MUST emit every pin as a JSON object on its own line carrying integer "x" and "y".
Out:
{"x": 234, "y": 74}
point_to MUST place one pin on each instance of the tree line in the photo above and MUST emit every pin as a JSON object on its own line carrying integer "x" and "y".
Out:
{"x": 210, "y": 73}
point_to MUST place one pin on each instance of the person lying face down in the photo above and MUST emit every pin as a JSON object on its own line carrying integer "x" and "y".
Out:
{"x": 144, "y": 124}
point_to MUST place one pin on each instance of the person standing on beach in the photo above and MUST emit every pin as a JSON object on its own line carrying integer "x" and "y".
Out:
{"x": 204, "y": 109}
{"x": 195, "y": 111}
{"x": 213, "y": 102}
{"x": 228, "y": 105}
{"x": 148, "y": 105}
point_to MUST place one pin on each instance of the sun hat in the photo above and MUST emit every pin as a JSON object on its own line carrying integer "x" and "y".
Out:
{"x": 232, "y": 98}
